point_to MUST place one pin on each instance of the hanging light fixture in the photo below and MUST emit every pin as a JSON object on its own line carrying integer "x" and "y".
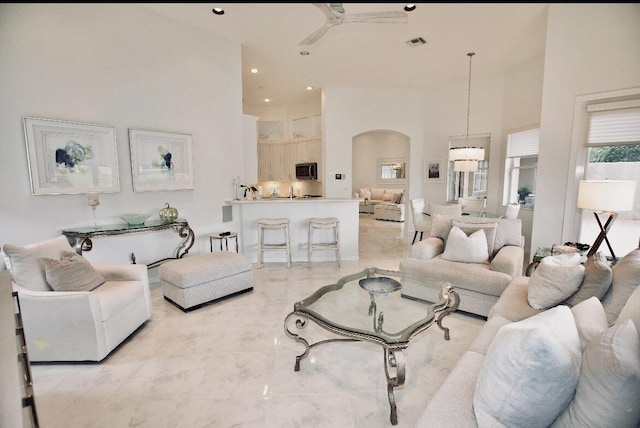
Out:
{"x": 465, "y": 159}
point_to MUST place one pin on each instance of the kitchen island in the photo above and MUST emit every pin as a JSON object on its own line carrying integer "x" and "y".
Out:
{"x": 246, "y": 214}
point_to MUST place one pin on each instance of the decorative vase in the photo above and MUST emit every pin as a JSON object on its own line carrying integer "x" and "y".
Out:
{"x": 168, "y": 213}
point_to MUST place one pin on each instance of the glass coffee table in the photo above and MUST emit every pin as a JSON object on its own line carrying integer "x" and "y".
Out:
{"x": 366, "y": 306}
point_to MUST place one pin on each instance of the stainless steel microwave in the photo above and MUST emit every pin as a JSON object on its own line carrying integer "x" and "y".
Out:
{"x": 307, "y": 171}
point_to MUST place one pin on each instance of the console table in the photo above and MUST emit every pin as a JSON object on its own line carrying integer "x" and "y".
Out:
{"x": 81, "y": 238}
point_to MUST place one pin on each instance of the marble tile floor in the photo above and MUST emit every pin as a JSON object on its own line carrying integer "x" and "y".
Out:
{"x": 230, "y": 364}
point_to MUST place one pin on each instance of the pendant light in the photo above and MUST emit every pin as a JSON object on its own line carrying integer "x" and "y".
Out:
{"x": 465, "y": 159}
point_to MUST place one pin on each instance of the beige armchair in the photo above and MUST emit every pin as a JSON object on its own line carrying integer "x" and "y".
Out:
{"x": 479, "y": 285}
{"x": 76, "y": 325}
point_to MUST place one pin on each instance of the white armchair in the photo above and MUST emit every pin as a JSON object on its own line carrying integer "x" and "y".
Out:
{"x": 76, "y": 325}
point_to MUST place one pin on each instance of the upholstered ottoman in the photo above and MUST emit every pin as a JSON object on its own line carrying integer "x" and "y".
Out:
{"x": 389, "y": 211}
{"x": 193, "y": 281}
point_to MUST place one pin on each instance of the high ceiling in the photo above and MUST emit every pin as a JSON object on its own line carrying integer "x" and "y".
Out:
{"x": 367, "y": 55}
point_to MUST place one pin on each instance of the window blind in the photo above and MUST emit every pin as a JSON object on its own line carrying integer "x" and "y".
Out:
{"x": 610, "y": 127}
{"x": 523, "y": 143}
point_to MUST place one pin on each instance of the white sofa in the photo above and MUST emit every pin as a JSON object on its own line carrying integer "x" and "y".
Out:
{"x": 384, "y": 204}
{"x": 76, "y": 325}
{"x": 608, "y": 388}
{"x": 478, "y": 284}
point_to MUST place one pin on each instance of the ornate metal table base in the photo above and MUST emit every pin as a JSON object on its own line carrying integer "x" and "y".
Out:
{"x": 81, "y": 238}
{"x": 394, "y": 362}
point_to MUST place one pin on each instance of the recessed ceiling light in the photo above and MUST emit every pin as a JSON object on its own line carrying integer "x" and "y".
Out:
{"x": 304, "y": 53}
{"x": 218, "y": 11}
{"x": 309, "y": 88}
{"x": 267, "y": 100}
{"x": 410, "y": 7}
{"x": 254, "y": 70}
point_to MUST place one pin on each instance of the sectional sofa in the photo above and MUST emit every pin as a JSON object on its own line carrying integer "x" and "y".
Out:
{"x": 384, "y": 204}
{"x": 572, "y": 364}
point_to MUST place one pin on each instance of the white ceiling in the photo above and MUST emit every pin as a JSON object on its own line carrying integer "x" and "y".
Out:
{"x": 367, "y": 55}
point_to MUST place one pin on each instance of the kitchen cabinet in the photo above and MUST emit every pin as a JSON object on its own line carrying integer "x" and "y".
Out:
{"x": 270, "y": 161}
{"x": 276, "y": 161}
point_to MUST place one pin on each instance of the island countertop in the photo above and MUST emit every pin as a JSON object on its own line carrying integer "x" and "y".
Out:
{"x": 283, "y": 199}
{"x": 246, "y": 214}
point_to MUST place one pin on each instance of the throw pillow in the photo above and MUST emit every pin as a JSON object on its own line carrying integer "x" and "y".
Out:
{"x": 466, "y": 249}
{"x": 555, "y": 279}
{"x": 530, "y": 371}
{"x": 489, "y": 230}
{"x": 625, "y": 280}
{"x": 397, "y": 197}
{"x": 388, "y": 197}
{"x": 377, "y": 194}
{"x": 596, "y": 282}
{"x": 365, "y": 193}
{"x": 71, "y": 273}
{"x": 441, "y": 226}
{"x": 608, "y": 392}
{"x": 26, "y": 264}
{"x": 590, "y": 319}
{"x": 509, "y": 231}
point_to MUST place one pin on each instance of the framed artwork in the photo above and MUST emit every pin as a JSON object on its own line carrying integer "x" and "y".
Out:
{"x": 68, "y": 158}
{"x": 433, "y": 172}
{"x": 160, "y": 161}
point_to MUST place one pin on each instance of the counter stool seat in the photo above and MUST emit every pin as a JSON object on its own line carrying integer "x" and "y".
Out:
{"x": 333, "y": 244}
{"x": 273, "y": 224}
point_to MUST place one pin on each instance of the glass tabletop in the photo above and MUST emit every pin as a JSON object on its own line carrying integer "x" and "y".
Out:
{"x": 370, "y": 303}
{"x": 124, "y": 227}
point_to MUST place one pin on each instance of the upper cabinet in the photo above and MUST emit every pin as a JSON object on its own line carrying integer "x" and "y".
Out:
{"x": 278, "y": 156}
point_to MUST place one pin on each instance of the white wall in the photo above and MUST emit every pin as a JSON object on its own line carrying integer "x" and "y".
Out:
{"x": 125, "y": 66}
{"x": 348, "y": 112}
{"x": 368, "y": 148}
{"x": 590, "y": 48}
{"x": 446, "y": 116}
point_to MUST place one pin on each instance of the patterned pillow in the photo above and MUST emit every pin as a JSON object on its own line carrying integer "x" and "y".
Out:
{"x": 71, "y": 273}
{"x": 26, "y": 265}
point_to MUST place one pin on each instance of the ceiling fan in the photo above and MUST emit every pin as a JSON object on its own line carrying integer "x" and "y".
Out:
{"x": 336, "y": 15}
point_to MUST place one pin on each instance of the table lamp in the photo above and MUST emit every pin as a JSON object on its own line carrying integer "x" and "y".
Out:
{"x": 605, "y": 197}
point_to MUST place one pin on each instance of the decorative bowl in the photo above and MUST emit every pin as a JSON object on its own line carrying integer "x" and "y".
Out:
{"x": 135, "y": 219}
{"x": 380, "y": 285}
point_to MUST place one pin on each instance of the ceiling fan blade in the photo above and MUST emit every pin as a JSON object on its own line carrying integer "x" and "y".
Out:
{"x": 324, "y": 7}
{"x": 313, "y": 37}
{"x": 391, "y": 17}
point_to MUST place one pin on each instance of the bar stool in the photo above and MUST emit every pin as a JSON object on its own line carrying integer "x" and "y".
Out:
{"x": 273, "y": 224}
{"x": 325, "y": 223}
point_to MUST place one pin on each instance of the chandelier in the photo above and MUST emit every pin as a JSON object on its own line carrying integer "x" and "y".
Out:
{"x": 465, "y": 159}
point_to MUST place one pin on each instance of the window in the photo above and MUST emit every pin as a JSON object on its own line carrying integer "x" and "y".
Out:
{"x": 464, "y": 184}
{"x": 613, "y": 153}
{"x": 521, "y": 167}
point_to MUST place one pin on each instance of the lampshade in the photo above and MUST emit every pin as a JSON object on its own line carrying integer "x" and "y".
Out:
{"x": 606, "y": 195}
{"x": 465, "y": 165}
{"x": 466, "y": 153}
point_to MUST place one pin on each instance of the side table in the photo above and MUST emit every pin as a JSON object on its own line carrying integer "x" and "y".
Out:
{"x": 543, "y": 252}
{"x": 223, "y": 238}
